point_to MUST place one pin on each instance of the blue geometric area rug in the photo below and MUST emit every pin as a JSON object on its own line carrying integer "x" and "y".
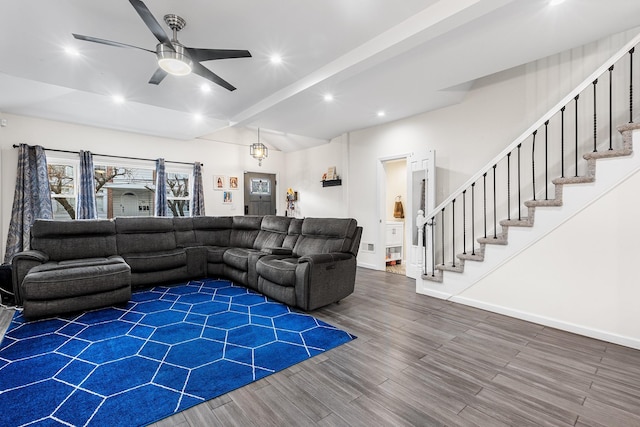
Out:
{"x": 169, "y": 349}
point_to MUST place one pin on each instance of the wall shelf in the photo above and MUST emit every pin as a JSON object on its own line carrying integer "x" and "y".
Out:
{"x": 331, "y": 182}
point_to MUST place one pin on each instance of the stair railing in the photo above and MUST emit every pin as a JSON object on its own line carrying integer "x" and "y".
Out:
{"x": 443, "y": 237}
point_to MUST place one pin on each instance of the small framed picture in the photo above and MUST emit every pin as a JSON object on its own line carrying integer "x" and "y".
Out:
{"x": 233, "y": 182}
{"x": 219, "y": 182}
{"x": 227, "y": 197}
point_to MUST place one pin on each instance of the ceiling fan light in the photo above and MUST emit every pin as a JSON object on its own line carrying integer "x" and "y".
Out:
{"x": 175, "y": 63}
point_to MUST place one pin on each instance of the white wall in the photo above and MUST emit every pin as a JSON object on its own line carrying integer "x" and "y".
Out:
{"x": 218, "y": 158}
{"x": 303, "y": 173}
{"x": 582, "y": 277}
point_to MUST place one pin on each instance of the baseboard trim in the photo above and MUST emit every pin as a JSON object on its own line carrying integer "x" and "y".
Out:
{"x": 369, "y": 266}
{"x": 551, "y": 322}
{"x": 423, "y": 290}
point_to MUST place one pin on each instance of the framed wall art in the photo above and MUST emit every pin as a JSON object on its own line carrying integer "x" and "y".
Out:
{"x": 233, "y": 182}
{"x": 219, "y": 182}
{"x": 227, "y": 197}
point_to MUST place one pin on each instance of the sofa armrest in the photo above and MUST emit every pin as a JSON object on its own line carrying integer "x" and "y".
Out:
{"x": 277, "y": 251}
{"x": 20, "y": 265}
{"x": 325, "y": 258}
{"x": 33, "y": 255}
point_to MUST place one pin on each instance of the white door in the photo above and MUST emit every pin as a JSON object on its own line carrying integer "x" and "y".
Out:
{"x": 421, "y": 176}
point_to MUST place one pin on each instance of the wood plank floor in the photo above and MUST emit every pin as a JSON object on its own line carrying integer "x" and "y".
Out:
{"x": 425, "y": 362}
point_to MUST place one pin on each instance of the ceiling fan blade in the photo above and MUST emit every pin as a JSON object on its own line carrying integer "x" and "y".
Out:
{"x": 151, "y": 22}
{"x": 108, "y": 42}
{"x": 210, "y": 54}
{"x": 202, "y": 71}
{"x": 158, "y": 76}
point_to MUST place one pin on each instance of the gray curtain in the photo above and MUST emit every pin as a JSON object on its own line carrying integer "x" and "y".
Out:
{"x": 161, "y": 189}
{"x": 31, "y": 200}
{"x": 197, "y": 203}
{"x": 86, "y": 208}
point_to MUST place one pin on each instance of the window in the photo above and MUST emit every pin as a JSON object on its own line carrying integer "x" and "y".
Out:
{"x": 62, "y": 183}
{"x": 122, "y": 189}
{"x": 179, "y": 193}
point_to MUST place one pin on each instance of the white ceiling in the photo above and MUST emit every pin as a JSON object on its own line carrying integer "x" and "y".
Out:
{"x": 402, "y": 56}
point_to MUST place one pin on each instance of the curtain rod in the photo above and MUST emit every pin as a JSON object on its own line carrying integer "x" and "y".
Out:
{"x": 110, "y": 155}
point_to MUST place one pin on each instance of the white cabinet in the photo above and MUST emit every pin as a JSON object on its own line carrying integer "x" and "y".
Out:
{"x": 394, "y": 239}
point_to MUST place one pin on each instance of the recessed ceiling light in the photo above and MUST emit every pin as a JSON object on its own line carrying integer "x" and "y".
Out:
{"x": 555, "y": 2}
{"x": 205, "y": 88}
{"x": 118, "y": 99}
{"x": 328, "y": 97}
{"x": 381, "y": 113}
{"x": 275, "y": 59}
{"x": 198, "y": 117}
{"x": 71, "y": 51}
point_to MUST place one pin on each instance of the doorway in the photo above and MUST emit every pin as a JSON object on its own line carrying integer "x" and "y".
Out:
{"x": 259, "y": 193}
{"x": 416, "y": 186}
{"x": 395, "y": 172}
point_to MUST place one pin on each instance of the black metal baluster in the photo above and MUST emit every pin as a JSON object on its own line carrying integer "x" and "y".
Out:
{"x": 509, "y": 186}
{"x": 533, "y": 163}
{"x": 495, "y": 224}
{"x": 484, "y": 195}
{"x": 442, "y": 227}
{"x": 473, "y": 219}
{"x": 633, "y": 49}
{"x": 464, "y": 222}
{"x": 519, "y": 185}
{"x": 453, "y": 232}
{"x": 433, "y": 247}
{"x": 611, "y": 108}
{"x": 562, "y": 141}
{"x": 546, "y": 160}
{"x": 425, "y": 267}
{"x": 576, "y": 153}
{"x": 595, "y": 117}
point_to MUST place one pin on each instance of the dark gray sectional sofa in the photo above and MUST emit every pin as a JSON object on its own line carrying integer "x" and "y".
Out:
{"x": 84, "y": 264}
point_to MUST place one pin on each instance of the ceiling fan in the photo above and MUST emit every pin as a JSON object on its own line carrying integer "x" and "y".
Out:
{"x": 173, "y": 57}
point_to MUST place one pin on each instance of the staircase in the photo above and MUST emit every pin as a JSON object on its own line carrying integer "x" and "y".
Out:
{"x": 573, "y": 140}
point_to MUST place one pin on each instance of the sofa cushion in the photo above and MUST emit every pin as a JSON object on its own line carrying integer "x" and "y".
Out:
{"x": 273, "y": 231}
{"x": 212, "y": 231}
{"x": 183, "y": 229}
{"x": 244, "y": 231}
{"x": 294, "y": 231}
{"x": 325, "y": 235}
{"x": 82, "y": 277}
{"x": 141, "y": 262}
{"x": 278, "y": 270}
{"x": 144, "y": 235}
{"x": 215, "y": 253}
{"x": 238, "y": 258}
{"x": 62, "y": 240}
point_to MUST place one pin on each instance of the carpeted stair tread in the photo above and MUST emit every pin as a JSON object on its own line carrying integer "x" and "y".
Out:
{"x": 458, "y": 268}
{"x": 500, "y": 240}
{"x": 574, "y": 180}
{"x": 538, "y": 203}
{"x": 608, "y": 154}
{"x": 471, "y": 257}
{"x": 523, "y": 222}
